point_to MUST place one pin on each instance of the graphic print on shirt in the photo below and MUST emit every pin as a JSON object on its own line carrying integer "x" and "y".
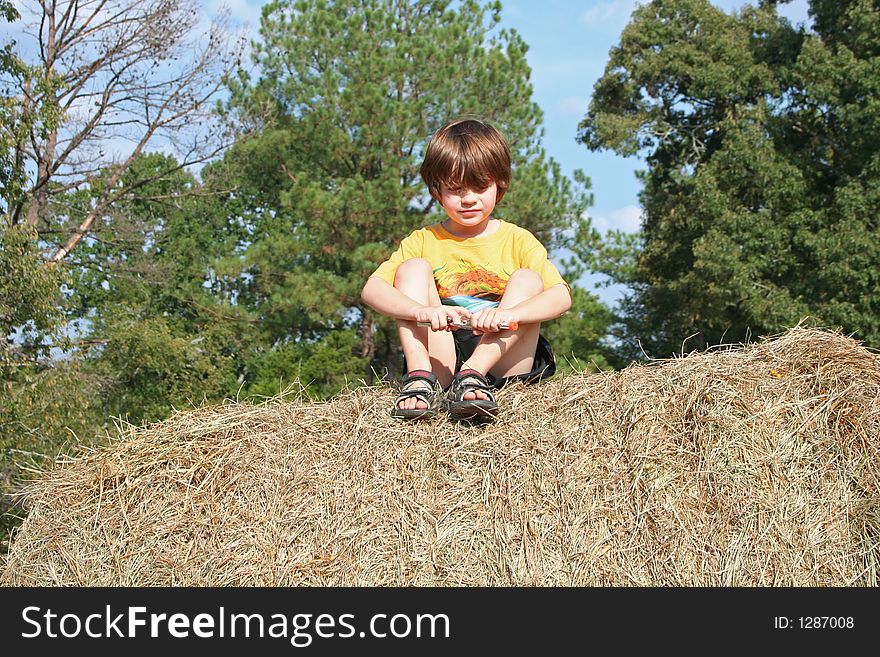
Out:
{"x": 470, "y": 286}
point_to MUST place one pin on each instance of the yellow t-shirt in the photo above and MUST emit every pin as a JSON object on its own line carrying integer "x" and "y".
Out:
{"x": 473, "y": 271}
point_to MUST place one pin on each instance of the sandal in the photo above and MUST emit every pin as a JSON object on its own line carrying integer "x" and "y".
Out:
{"x": 471, "y": 381}
{"x": 422, "y": 385}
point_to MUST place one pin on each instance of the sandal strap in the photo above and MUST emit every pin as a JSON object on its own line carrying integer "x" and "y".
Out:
{"x": 478, "y": 376}
{"x": 418, "y": 393}
{"x": 468, "y": 381}
{"x": 419, "y": 375}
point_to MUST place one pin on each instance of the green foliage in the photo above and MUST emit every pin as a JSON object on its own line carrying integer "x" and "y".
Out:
{"x": 154, "y": 368}
{"x": 143, "y": 280}
{"x": 45, "y": 409}
{"x": 762, "y": 170}
{"x": 580, "y": 337}
{"x": 30, "y": 318}
{"x": 28, "y": 290}
{"x": 323, "y": 368}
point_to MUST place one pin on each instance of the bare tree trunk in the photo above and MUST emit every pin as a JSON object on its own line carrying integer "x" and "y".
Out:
{"x": 81, "y": 231}
{"x": 40, "y": 193}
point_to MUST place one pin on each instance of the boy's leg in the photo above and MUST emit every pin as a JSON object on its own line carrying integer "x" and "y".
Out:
{"x": 509, "y": 352}
{"x": 423, "y": 348}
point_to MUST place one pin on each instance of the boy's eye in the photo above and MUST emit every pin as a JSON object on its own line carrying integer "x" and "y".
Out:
{"x": 461, "y": 191}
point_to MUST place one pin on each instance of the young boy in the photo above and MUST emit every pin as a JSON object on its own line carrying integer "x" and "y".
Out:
{"x": 471, "y": 267}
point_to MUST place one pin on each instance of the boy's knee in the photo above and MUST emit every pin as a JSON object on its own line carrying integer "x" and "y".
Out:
{"x": 527, "y": 280}
{"x": 413, "y": 267}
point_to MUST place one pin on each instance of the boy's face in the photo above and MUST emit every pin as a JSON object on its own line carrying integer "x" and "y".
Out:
{"x": 468, "y": 209}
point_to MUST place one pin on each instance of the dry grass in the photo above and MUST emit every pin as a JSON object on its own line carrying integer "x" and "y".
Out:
{"x": 755, "y": 466}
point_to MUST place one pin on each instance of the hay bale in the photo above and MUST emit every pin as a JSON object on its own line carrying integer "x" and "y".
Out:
{"x": 754, "y": 466}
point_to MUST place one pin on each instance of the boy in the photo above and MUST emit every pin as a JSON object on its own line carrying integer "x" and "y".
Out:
{"x": 471, "y": 267}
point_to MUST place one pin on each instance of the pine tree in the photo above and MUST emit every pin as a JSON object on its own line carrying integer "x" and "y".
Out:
{"x": 762, "y": 169}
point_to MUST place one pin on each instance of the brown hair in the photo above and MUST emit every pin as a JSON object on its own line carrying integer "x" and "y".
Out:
{"x": 466, "y": 152}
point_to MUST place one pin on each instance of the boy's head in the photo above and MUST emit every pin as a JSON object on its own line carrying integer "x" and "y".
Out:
{"x": 467, "y": 153}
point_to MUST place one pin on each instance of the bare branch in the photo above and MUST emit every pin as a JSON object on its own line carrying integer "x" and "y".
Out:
{"x": 122, "y": 77}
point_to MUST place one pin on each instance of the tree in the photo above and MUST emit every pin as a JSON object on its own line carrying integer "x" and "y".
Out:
{"x": 28, "y": 294}
{"x": 87, "y": 86}
{"x": 761, "y": 169}
{"x": 346, "y": 96}
{"x": 141, "y": 281}
{"x": 106, "y": 79}
{"x": 85, "y": 92}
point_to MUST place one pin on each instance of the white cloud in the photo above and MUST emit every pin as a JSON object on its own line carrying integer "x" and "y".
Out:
{"x": 627, "y": 219}
{"x": 611, "y": 11}
{"x": 241, "y": 12}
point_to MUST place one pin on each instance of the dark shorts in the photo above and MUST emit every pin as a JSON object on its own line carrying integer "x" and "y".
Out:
{"x": 543, "y": 367}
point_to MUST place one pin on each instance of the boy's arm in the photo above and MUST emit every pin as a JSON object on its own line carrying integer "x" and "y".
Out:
{"x": 549, "y": 304}
{"x": 388, "y": 300}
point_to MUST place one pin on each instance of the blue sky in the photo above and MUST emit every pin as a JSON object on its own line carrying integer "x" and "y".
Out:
{"x": 568, "y": 41}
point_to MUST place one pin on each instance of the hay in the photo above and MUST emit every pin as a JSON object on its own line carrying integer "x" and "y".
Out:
{"x": 754, "y": 466}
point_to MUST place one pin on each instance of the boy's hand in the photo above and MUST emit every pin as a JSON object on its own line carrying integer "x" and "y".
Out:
{"x": 490, "y": 320}
{"x": 441, "y": 318}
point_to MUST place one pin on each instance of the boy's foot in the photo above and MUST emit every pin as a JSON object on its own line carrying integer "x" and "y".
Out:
{"x": 421, "y": 386}
{"x": 470, "y": 396}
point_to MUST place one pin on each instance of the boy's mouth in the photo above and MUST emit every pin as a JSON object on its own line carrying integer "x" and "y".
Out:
{"x": 469, "y": 212}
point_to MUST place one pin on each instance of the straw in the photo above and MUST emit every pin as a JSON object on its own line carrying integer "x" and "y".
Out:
{"x": 749, "y": 466}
